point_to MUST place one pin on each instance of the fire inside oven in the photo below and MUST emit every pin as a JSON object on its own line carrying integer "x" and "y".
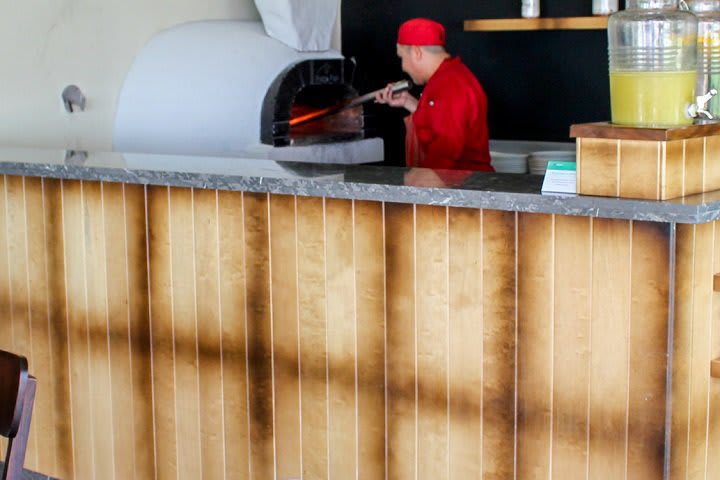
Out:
{"x": 292, "y": 104}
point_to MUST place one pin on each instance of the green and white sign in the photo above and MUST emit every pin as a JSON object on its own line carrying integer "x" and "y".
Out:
{"x": 560, "y": 177}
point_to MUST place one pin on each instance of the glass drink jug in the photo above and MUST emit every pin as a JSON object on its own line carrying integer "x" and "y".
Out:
{"x": 708, "y": 45}
{"x": 652, "y": 47}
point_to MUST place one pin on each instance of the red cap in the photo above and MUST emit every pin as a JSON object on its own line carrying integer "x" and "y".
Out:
{"x": 421, "y": 31}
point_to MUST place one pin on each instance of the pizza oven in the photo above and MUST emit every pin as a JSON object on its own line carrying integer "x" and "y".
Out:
{"x": 226, "y": 88}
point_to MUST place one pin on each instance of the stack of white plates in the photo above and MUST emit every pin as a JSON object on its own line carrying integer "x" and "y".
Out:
{"x": 537, "y": 161}
{"x": 509, "y": 162}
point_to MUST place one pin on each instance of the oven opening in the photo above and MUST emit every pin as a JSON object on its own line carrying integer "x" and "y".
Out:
{"x": 316, "y": 117}
{"x": 306, "y": 89}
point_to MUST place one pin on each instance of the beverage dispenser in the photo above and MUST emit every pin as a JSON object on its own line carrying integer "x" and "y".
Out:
{"x": 708, "y": 45}
{"x": 652, "y": 47}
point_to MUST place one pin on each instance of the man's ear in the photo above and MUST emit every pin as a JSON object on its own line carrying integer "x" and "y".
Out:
{"x": 417, "y": 52}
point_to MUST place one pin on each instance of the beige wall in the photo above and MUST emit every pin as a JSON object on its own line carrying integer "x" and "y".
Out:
{"x": 46, "y": 45}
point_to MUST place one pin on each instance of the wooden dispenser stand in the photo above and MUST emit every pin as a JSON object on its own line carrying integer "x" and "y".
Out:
{"x": 647, "y": 163}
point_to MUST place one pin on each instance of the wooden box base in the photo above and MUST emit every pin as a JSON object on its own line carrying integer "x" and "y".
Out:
{"x": 647, "y": 163}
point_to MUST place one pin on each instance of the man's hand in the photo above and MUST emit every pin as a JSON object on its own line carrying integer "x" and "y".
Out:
{"x": 423, "y": 177}
{"x": 402, "y": 99}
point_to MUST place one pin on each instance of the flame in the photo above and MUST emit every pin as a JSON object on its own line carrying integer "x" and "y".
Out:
{"x": 311, "y": 115}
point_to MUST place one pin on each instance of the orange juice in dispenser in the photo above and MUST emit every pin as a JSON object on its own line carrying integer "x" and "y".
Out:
{"x": 652, "y": 47}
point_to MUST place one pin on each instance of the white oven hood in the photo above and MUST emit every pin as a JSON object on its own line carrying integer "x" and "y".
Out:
{"x": 305, "y": 25}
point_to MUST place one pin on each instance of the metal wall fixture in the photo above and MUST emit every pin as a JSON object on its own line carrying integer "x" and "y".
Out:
{"x": 73, "y": 99}
{"x": 75, "y": 157}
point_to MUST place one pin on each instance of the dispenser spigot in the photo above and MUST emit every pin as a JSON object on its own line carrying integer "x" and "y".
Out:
{"x": 701, "y": 104}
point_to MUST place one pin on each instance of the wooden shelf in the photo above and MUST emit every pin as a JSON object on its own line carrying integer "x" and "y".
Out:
{"x": 659, "y": 134}
{"x": 556, "y": 23}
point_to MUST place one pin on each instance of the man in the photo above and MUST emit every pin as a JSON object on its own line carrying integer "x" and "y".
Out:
{"x": 447, "y": 128}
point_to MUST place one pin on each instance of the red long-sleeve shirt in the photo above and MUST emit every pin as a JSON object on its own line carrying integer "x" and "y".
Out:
{"x": 449, "y": 125}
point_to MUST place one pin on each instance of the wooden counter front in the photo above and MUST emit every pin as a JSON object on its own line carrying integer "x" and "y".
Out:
{"x": 186, "y": 333}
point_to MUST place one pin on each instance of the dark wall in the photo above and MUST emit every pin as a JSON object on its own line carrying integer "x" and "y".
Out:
{"x": 538, "y": 83}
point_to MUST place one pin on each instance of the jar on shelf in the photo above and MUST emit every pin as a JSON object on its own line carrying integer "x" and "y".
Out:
{"x": 530, "y": 8}
{"x": 604, "y": 7}
{"x": 652, "y": 48}
{"x": 708, "y": 45}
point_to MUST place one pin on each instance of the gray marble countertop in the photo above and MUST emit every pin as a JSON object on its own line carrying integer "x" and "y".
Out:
{"x": 510, "y": 192}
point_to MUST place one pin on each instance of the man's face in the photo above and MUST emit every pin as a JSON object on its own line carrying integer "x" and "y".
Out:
{"x": 409, "y": 62}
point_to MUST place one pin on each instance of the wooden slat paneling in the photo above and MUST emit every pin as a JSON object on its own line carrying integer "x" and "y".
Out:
{"x": 5, "y": 293}
{"x": 233, "y": 307}
{"x": 648, "y": 350}
{"x": 699, "y": 362}
{"x": 673, "y": 185}
{"x": 431, "y": 309}
{"x": 694, "y": 412}
{"x": 401, "y": 366}
{"x": 101, "y": 408}
{"x": 572, "y": 296}
{"x": 648, "y": 169}
{"x": 341, "y": 339}
{"x": 209, "y": 335}
{"x": 499, "y": 342}
{"x": 286, "y": 369}
{"x": 17, "y": 263}
{"x": 611, "y": 259}
{"x": 465, "y": 343}
{"x": 59, "y": 385}
{"x": 682, "y": 351}
{"x": 694, "y": 165}
{"x": 42, "y": 442}
{"x": 162, "y": 332}
{"x": 369, "y": 263}
{"x": 599, "y": 177}
{"x": 78, "y": 334}
{"x": 535, "y": 345}
{"x": 114, "y": 223}
{"x": 713, "y": 466}
{"x": 138, "y": 310}
{"x": 312, "y": 316}
{"x": 711, "y": 177}
{"x": 185, "y": 332}
{"x": 668, "y": 168}
{"x": 259, "y": 336}
{"x": 302, "y": 337}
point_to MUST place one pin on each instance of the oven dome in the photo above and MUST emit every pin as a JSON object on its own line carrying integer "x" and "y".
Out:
{"x": 199, "y": 88}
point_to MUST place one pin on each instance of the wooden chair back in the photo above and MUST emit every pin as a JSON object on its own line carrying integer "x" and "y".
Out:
{"x": 17, "y": 396}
